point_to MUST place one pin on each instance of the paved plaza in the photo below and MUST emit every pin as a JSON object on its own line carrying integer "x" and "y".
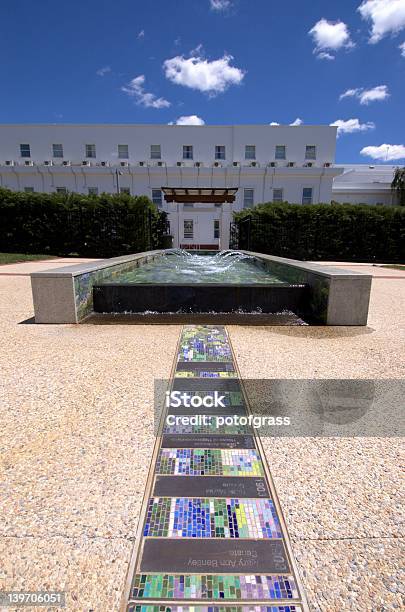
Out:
{"x": 77, "y": 439}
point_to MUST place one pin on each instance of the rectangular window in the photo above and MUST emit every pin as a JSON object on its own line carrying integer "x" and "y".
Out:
{"x": 278, "y": 195}
{"x": 188, "y": 228}
{"x": 61, "y": 190}
{"x": 25, "y": 150}
{"x": 248, "y": 197}
{"x": 220, "y": 152}
{"x": 157, "y": 197}
{"x": 155, "y": 152}
{"x": 250, "y": 151}
{"x": 187, "y": 151}
{"x": 90, "y": 150}
{"x": 125, "y": 190}
{"x": 216, "y": 228}
{"x": 310, "y": 152}
{"x": 280, "y": 152}
{"x": 307, "y": 195}
{"x": 123, "y": 152}
{"x": 29, "y": 189}
{"x": 93, "y": 190}
{"x": 57, "y": 150}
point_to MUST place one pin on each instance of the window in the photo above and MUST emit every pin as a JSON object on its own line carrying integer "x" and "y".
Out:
{"x": 248, "y": 197}
{"x": 187, "y": 152}
{"x": 61, "y": 190}
{"x": 155, "y": 152}
{"x": 125, "y": 190}
{"x": 57, "y": 150}
{"x": 310, "y": 152}
{"x": 93, "y": 191}
{"x": 307, "y": 195}
{"x": 29, "y": 189}
{"x": 220, "y": 152}
{"x": 123, "y": 152}
{"x": 25, "y": 150}
{"x": 157, "y": 197}
{"x": 250, "y": 152}
{"x": 90, "y": 150}
{"x": 278, "y": 195}
{"x": 216, "y": 228}
{"x": 280, "y": 152}
{"x": 188, "y": 205}
{"x": 188, "y": 228}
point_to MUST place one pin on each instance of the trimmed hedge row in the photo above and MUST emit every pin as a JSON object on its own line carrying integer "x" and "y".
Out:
{"x": 340, "y": 232}
{"x": 93, "y": 226}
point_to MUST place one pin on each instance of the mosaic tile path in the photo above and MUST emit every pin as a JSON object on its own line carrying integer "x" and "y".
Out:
{"x": 213, "y": 587}
{"x": 143, "y": 608}
{"x": 209, "y": 462}
{"x": 211, "y": 518}
{"x": 207, "y": 428}
{"x": 218, "y": 537}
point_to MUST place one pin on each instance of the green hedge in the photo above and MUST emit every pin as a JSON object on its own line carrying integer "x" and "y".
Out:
{"x": 340, "y": 232}
{"x": 93, "y": 226}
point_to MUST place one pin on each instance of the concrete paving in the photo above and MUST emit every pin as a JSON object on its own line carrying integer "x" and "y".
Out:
{"x": 77, "y": 432}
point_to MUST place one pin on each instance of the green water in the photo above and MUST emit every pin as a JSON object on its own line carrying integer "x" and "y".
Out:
{"x": 178, "y": 266}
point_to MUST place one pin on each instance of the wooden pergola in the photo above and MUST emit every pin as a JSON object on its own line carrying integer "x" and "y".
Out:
{"x": 195, "y": 195}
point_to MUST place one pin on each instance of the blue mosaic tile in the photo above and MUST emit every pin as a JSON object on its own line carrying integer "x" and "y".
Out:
{"x": 211, "y": 518}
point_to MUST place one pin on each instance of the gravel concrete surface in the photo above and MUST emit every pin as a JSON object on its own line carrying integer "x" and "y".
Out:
{"x": 76, "y": 439}
{"x": 343, "y": 499}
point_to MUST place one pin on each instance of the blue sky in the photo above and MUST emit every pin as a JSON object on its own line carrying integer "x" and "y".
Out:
{"x": 217, "y": 61}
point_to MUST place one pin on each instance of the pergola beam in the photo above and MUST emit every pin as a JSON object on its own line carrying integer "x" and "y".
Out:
{"x": 204, "y": 195}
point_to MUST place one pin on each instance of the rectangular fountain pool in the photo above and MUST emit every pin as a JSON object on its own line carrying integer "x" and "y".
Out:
{"x": 253, "y": 286}
{"x": 180, "y": 282}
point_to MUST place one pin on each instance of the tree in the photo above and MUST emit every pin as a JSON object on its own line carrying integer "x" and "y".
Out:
{"x": 398, "y": 185}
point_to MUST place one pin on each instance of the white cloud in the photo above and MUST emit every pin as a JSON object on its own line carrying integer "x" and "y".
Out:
{"x": 104, "y": 70}
{"x": 141, "y": 34}
{"x": 330, "y": 36}
{"x": 325, "y": 55}
{"x": 386, "y": 16}
{"x": 384, "y": 152}
{"x": 375, "y": 94}
{"x": 220, "y": 5}
{"x": 402, "y": 48}
{"x": 148, "y": 100}
{"x": 188, "y": 120}
{"x": 199, "y": 73}
{"x": 352, "y": 125}
{"x": 298, "y": 121}
{"x": 274, "y": 123}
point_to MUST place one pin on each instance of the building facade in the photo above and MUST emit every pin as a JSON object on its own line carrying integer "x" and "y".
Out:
{"x": 365, "y": 184}
{"x": 262, "y": 162}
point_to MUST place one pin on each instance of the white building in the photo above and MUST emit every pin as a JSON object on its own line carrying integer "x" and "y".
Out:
{"x": 262, "y": 162}
{"x": 364, "y": 184}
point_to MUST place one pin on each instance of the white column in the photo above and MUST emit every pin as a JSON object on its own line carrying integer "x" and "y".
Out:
{"x": 224, "y": 226}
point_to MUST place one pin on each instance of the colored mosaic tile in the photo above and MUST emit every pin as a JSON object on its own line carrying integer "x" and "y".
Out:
{"x": 209, "y": 428}
{"x": 211, "y": 518}
{"x": 165, "y": 608}
{"x": 204, "y": 374}
{"x": 204, "y": 343}
{"x": 193, "y": 586}
{"x": 209, "y": 462}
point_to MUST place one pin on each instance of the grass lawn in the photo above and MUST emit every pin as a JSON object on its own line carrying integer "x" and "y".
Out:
{"x": 395, "y": 266}
{"x": 9, "y": 258}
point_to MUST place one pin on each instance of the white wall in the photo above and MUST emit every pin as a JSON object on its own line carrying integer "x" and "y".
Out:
{"x": 170, "y": 137}
{"x": 141, "y": 179}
